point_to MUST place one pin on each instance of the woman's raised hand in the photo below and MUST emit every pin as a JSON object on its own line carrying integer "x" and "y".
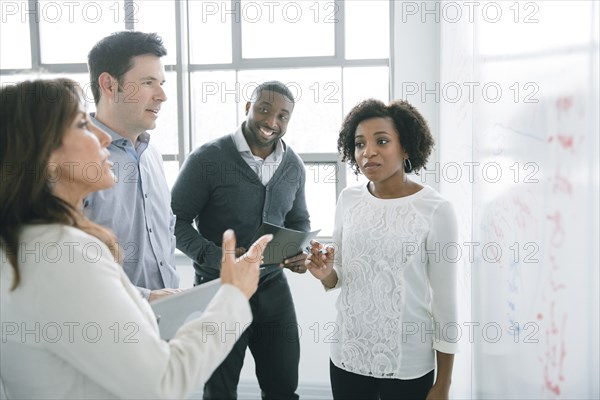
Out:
{"x": 242, "y": 272}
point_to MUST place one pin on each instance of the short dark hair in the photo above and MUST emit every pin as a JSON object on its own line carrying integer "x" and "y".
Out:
{"x": 272, "y": 86}
{"x": 415, "y": 137}
{"x": 114, "y": 54}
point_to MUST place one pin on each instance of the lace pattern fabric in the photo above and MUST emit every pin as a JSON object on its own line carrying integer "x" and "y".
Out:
{"x": 386, "y": 282}
{"x": 372, "y": 300}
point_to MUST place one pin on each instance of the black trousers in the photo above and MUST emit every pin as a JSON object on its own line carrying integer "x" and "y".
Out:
{"x": 349, "y": 386}
{"x": 273, "y": 340}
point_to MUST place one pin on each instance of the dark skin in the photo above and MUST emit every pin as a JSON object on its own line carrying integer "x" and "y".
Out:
{"x": 267, "y": 118}
{"x": 380, "y": 157}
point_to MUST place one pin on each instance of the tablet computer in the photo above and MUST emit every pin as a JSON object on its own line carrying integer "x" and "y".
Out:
{"x": 286, "y": 242}
{"x": 175, "y": 310}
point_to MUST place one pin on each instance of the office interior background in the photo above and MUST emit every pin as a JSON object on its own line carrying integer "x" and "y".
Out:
{"x": 511, "y": 93}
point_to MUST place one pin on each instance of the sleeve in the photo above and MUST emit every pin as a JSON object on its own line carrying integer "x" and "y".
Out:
{"x": 442, "y": 272}
{"x": 298, "y": 218}
{"x": 338, "y": 226}
{"x": 113, "y": 338}
{"x": 144, "y": 292}
{"x": 189, "y": 195}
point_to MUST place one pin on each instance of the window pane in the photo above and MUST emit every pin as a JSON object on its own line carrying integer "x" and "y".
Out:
{"x": 69, "y": 29}
{"x": 164, "y": 136}
{"x": 317, "y": 115}
{"x": 361, "y": 83}
{"x": 367, "y": 29}
{"x": 210, "y": 32}
{"x": 288, "y": 28}
{"x": 15, "y": 49}
{"x": 158, "y": 16}
{"x": 214, "y": 105}
{"x": 321, "y": 196}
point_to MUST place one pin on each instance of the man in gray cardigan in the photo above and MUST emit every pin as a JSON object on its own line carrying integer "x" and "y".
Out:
{"x": 240, "y": 181}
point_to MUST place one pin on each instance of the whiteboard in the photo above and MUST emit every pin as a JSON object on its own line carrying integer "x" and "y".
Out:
{"x": 529, "y": 211}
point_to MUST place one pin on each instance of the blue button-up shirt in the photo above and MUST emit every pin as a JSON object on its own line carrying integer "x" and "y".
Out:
{"x": 138, "y": 210}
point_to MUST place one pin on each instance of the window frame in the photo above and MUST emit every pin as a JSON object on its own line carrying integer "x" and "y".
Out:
{"x": 184, "y": 69}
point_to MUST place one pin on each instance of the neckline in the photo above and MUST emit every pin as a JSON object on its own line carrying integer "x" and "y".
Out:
{"x": 404, "y": 199}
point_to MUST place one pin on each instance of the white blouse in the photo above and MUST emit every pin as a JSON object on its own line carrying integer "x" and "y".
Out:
{"x": 396, "y": 266}
{"x": 76, "y": 328}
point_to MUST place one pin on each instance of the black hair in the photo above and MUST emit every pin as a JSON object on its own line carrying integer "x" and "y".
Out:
{"x": 272, "y": 86}
{"x": 415, "y": 137}
{"x": 114, "y": 54}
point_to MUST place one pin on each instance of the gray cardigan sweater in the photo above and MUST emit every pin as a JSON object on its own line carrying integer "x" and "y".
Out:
{"x": 217, "y": 190}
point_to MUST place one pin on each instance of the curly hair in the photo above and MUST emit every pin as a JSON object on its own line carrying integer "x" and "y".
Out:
{"x": 413, "y": 132}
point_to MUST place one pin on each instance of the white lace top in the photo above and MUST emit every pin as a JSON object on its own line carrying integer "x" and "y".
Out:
{"x": 396, "y": 265}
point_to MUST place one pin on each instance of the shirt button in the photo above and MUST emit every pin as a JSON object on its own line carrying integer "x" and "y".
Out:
{"x": 146, "y": 195}
{"x": 160, "y": 263}
{"x": 150, "y": 230}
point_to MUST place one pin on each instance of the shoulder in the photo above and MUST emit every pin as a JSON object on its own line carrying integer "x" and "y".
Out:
{"x": 438, "y": 206}
{"x": 153, "y": 151}
{"x": 52, "y": 233}
{"x": 60, "y": 247}
{"x": 291, "y": 154}
{"x": 214, "y": 148}
{"x": 351, "y": 194}
{"x": 351, "y": 191}
{"x": 293, "y": 165}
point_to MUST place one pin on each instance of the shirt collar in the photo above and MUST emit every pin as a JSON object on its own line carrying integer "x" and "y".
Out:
{"x": 119, "y": 140}
{"x": 242, "y": 145}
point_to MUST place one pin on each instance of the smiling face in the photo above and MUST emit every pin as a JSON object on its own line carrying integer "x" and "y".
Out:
{"x": 80, "y": 165}
{"x": 377, "y": 150}
{"x": 266, "y": 122}
{"x": 135, "y": 101}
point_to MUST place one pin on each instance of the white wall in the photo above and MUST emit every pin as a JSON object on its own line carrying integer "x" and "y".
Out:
{"x": 416, "y": 67}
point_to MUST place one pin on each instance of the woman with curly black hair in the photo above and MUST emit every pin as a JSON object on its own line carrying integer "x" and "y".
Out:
{"x": 397, "y": 306}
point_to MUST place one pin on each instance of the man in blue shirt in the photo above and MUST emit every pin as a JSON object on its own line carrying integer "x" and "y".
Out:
{"x": 127, "y": 74}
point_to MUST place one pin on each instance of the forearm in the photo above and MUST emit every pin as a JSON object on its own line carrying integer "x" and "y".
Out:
{"x": 196, "y": 247}
{"x": 445, "y": 363}
{"x": 330, "y": 280}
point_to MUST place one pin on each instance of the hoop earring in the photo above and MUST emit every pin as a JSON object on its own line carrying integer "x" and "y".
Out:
{"x": 407, "y": 165}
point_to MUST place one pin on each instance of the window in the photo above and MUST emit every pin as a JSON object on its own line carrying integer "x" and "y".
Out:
{"x": 68, "y": 30}
{"x": 331, "y": 53}
{"x": 287, "y": 28}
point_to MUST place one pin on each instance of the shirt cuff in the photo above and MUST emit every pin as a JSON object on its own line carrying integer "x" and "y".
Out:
{"x": 144, "y": 292}
{"x": 446, "y": 347}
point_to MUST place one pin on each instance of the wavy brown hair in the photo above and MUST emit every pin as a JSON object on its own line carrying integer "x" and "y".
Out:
{"x": 34, "y": 116}
{"x": 413, "y": 131}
